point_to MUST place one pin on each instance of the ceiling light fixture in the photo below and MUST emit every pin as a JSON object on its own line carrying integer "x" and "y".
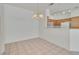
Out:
{"x": 38, "y": 14}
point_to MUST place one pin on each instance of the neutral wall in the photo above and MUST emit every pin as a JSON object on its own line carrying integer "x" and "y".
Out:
{"x": 75, "y": 13}
{"x": 1, "y": 30}
{"x": 19, "y": 24}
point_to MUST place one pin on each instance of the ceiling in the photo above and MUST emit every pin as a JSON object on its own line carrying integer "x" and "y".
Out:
{"x": 41, "y": 7}
{"x": 32, "y": 6}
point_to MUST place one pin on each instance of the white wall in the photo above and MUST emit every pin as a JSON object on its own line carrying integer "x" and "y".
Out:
{"x": 1, "y": 30}
{"x": 19, "y": 24}
{"x": 75, "y": 13}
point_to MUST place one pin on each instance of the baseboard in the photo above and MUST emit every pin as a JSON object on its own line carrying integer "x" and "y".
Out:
{"x": 21, "y": 39}
{"x": 73, "y": 50}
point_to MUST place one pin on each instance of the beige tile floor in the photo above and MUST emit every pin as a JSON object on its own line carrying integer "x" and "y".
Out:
{"x": 35, "y": 46}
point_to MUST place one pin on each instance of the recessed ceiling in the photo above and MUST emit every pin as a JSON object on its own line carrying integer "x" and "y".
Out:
{"x": 43, "y": 6}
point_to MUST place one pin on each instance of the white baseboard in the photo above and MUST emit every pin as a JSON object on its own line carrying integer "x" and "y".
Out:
{"x": 20, "y": 39}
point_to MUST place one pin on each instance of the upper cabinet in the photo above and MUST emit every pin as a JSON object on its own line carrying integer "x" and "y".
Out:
{"x": 56, "y": 21}
{"x": 75, "y": 23}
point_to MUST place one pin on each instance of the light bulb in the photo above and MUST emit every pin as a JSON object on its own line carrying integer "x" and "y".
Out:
{"x": 35, "y": 15}
{"x": 41, "y": 15}
{"x": 63, "y": 12}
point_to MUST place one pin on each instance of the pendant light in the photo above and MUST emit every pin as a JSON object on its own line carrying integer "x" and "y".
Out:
{"x": 38, "y": 14}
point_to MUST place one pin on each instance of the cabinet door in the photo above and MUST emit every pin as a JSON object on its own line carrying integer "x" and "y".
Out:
{"x": 75, "y": 23}
{"x": 74, "y": 39}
